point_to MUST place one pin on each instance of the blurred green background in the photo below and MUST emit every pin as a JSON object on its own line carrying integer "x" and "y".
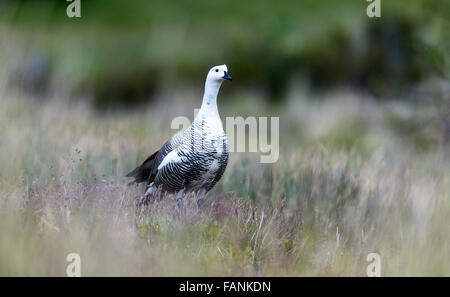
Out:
{"x": 122, "y": 53}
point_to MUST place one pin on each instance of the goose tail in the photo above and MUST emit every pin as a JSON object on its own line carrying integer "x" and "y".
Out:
{"x": 142, "y": 172}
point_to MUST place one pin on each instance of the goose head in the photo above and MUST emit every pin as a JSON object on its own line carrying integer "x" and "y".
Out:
{"x": 219, "y": 73}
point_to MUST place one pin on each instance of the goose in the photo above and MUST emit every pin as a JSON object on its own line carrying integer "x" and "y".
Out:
{"x": 192, "y": 160}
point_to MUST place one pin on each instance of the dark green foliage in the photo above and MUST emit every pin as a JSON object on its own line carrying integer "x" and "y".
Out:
{"x": 124, "y": 54}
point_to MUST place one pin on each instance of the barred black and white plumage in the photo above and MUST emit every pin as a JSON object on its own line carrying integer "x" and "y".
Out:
{"x": 196, "y": 158}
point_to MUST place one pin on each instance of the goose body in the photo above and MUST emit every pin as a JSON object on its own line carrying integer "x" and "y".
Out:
{"x": 195, "y": 159}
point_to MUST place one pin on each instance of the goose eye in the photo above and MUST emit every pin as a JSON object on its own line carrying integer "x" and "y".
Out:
{"x": 217, "y": 70}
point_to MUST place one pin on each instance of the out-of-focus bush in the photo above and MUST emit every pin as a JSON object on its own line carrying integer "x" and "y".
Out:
{"x": 122, "y": 53}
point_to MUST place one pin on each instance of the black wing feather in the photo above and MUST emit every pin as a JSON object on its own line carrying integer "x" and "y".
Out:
{"x": 147, "y": 171}
{"x": 142, "y": 172}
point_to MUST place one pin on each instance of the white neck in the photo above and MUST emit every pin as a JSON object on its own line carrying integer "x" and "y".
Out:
{"x": 209, "y": 104}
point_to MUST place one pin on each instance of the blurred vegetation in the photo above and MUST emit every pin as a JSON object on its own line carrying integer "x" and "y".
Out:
{"x": 120, "y": 54}
{"x": 318, "y": 211}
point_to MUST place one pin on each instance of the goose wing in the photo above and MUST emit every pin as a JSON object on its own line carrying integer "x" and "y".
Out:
{"x": 146, "y": 172}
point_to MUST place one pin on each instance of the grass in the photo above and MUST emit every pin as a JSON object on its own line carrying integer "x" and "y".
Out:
{"x": 356, "y": 174}
{"x": 347, "y": 183}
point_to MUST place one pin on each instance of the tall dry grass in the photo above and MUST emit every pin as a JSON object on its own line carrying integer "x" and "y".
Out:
{"x": 346, "y": 185}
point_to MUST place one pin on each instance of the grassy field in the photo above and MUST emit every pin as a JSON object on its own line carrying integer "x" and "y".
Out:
{"x": 364, "y": 112}
{"x": 349, "y": 181}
